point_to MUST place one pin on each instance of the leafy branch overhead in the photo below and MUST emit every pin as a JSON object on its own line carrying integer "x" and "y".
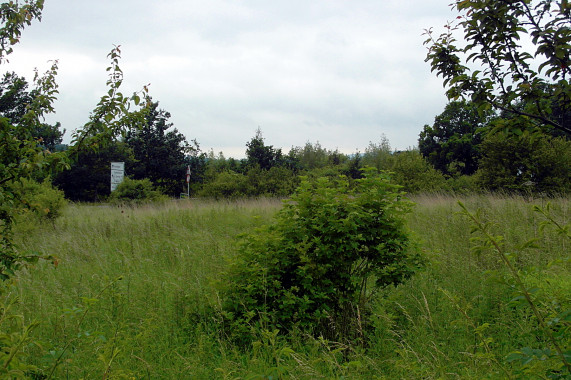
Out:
{"x": 14, "y": 18}
{"x": 515, "y": 52}
{"x": 112, "y": 117}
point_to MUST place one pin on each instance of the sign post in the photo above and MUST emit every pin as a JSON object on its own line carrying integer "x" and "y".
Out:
{"x": 188, "y": 181}
{"x": 117, "y": 174}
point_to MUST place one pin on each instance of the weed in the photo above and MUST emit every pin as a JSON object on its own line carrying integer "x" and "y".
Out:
{"x": 553, "y": 327}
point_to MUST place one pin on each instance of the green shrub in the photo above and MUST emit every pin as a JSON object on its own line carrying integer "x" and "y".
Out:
{"x": 465, "y": 184}
{"x": 277, "y": 181}
{"x": 526, "y": 164}
{"x": 415, "y": 174}
{"x": 136, "y": 191}
{"x": 41, "y": 199}
{"x": 227, "y": 184}
{"x": 317, "y": 267}
{"x": 379, "y": 155}
{"x": 328, "y": 171}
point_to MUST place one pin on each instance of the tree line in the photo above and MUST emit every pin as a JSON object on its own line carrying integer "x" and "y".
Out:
{"x": 506, "y": 127}
{"x": 461, "y": 151}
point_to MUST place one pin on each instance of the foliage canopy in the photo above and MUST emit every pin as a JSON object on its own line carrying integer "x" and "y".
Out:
{"x": 159, "y": 153}
{"x": 451, "y": 144}
{"x": 262, "y": 155}
{"x": 515, "y": 52}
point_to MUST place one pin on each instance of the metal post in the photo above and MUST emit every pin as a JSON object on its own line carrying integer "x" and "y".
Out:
{"x": 188, "y": 181}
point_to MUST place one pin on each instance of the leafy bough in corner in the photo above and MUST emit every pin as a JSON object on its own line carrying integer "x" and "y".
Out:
{"x": 507, "y": 76}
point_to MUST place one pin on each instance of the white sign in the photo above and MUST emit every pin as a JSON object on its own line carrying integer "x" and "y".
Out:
{"x": 117, "y": 174}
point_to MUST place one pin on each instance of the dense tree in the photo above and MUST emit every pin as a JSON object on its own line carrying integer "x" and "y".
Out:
{"x": 160, "y": 153}
{"x": 415, "y": 174}
{"x": 262, "y": 155}
{"x": 278, "y": 181}
{"x": 198, "y": 163}
{"x": 88, "y": 180}
{"x": 226, "y": 184}
{"x": 20, "y": 155}
{"x": 264, "y": 172}
{"x": 15, "y": 98}
{"x": 452, "y": 143}
{"x": 353, "y": 167}
{"x": 515, "y": 52}
{"x": 50, "y": 137}
{"x": 378, "y": 155}
{"x": 311, "y": 156}
{"x": 526, "y": 164}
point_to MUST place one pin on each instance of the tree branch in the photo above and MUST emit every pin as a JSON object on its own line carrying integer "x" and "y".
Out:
{"x": 536, "y": 117}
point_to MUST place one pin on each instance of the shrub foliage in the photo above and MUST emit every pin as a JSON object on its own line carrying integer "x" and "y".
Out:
{"x": 42, "y": 199}
{"x": 136, "y": 191}
{"x": 318, "y": 266}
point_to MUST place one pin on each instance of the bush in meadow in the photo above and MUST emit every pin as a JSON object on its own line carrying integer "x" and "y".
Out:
{"x": 136, "y": 191}
{"x": 319, "y": 265}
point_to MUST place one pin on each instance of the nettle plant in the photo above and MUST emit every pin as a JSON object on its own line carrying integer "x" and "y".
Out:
{"x": 332, "y": 246}
{"x": 551, "y": 356}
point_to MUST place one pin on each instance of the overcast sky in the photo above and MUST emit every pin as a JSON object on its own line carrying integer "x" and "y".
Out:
{"x": 341, "y": 73}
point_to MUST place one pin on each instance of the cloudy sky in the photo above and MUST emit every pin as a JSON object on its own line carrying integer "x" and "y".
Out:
{"x": 341, "y": 73}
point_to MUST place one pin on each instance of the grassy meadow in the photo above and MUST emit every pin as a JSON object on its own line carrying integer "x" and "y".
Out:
{"x": 133, "y": 296}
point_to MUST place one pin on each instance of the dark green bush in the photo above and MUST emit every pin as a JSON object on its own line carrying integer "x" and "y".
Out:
{"x": 465, "y": 184}
{"x": 227, "y": 184}
{"x": 277, "y": 181}
{"x": 528, "y": 163}
{"x": 136, "y": 191}
{"x": 318, "y": 266}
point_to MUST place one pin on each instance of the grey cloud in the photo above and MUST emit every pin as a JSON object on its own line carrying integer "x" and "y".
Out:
{"x": 333, "y": 71}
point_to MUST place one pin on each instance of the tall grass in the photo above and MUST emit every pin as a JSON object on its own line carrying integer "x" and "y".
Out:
{"x": 133, "y": 296}
{"x": 149, "y": 268}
